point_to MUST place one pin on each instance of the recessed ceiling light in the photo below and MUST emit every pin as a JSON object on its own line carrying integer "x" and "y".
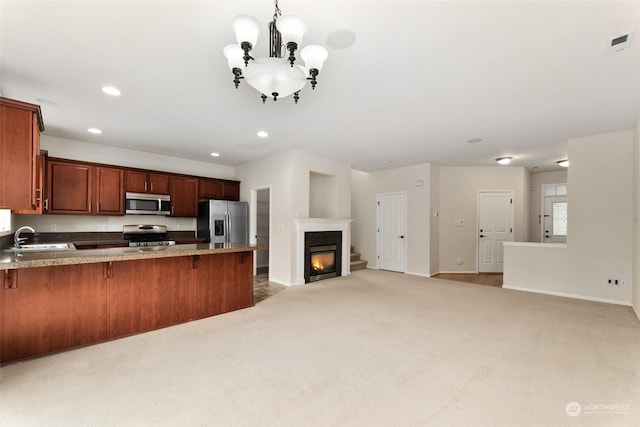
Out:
{"x": 95, "y": 130}
{"x": 215, "y": 154}
{"x": 564, "y": 163}
{"x": 341, "y": 39}
{"x": 262, "y": 134}
{"x": 111, "y": 90}
{"x": 474, "y": 140}
{"x": 504, "y": 160}
{"x": 386, "y": 162}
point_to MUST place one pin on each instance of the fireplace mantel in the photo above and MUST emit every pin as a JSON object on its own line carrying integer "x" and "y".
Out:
{"x": 322, "y": 224}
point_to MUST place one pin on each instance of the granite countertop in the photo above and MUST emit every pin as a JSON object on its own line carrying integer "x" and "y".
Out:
{"x": 29, "y": 259}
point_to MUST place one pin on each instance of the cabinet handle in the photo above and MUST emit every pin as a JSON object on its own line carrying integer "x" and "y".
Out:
{"x": 145, "y": 186}
{"x": 10, "y": 279}
{"x": 39, "y": 197}
{"x": 89, "y": 206}
{"x": 107, "y": 270}
{"x": 46, "y": 204}
{"x": 152, "y": 187}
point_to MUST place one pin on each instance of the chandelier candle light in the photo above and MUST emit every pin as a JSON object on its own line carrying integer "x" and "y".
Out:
{"x": 276, "y": 75}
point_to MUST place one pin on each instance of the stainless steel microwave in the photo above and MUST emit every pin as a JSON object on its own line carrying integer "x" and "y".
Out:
{"x": 147, "y": 204}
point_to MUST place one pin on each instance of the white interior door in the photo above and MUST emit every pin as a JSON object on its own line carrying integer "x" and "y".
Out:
{"x": 392, "y": 218}
{"x": 495, "y": 226}
{"x": 555, "y": 220}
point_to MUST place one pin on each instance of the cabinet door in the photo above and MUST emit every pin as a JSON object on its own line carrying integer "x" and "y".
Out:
{"x": 79, "y": 312}
{"x": 19, "y": 149}
{"x": 159, "y": 183}
{"x": 135, "y": 181}
{"x": 230, "y": 190}
{"x": 222, "y": 283}
{"x": 149, "y": 294}
{"x": 109, "y": 191}
{"x": 209, "y": 188}
{"x": 69, "y": 187}
{"x": 184, "y": 196}
{"x": 25, "y": 313}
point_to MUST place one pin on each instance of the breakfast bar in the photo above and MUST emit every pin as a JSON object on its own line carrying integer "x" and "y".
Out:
{"x": 61, "y": 299}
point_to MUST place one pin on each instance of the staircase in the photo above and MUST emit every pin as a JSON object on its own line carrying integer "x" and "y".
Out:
{"x": 356, "y": 262}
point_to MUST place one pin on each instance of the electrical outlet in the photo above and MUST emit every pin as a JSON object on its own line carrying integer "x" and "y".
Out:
{"x": 105, "y": 227}
{"x": 526, "y": 273}
{"x": 53, "y": 227}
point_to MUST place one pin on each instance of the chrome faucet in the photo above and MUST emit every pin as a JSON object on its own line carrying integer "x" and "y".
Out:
{"x": 17, "y": 240}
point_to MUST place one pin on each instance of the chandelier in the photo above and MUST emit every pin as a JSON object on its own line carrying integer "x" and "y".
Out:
{"x": 276, "y": 76}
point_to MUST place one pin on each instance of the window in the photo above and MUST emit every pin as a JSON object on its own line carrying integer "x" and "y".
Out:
{"x": 559, "y": 218}
{"x": 5, "y": 221}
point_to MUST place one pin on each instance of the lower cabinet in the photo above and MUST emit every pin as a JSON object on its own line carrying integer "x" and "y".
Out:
{"x": 149, "y": 294}
{"x": 45, "y": 309}
{"x": 222, "y": 283}
{"x": 51, "y": 308}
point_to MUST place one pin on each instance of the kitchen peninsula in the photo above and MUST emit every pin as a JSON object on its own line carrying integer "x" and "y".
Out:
{"x": 55, "y": 300}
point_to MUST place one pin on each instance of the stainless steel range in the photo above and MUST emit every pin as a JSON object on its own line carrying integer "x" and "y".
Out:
{"x": 146, "y": 235}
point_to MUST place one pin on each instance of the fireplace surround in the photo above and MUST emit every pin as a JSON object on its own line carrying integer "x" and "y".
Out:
{"x": 304, "y": 225}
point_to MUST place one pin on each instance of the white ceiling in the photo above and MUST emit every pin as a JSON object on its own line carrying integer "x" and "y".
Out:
{"x": 421, "y": 79}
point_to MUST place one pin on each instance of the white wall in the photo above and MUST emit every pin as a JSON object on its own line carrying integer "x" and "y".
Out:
{"x": 85, "y": 151}
{"x": 458, "y": 194}
{"x": 288, "y": 173}
{"x": 535, "y": 191}
{"x": 365, "y": 187}
{"x": 636, "y": 223}
{"x": 323, "y": 196}
{"x": 599, "y": 244}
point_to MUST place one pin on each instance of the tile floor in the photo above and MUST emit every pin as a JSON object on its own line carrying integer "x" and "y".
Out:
{"x": 263, "y": 289}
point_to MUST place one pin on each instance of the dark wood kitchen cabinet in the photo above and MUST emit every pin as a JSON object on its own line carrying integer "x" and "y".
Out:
{"x": 20, "y": 184}
{"x": 184, "y": 196}
{"x": 222, "y": 283}
{"x": 46, "y": 309}
{"x": 109, "y": 195}
{"x": 84, "y": 188}
{"x": 139, "y": 181}
{"x": 149, "y": 294}
{"x": 221, "y": 189}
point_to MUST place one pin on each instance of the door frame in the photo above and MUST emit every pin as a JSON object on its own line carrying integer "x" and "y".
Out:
{"x": 478, "y": 192}
{"x": 406, "y": 234}
{"x": 253, "y": 222}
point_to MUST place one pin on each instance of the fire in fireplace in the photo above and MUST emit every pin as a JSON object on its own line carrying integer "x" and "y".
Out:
{"x": 323, "y": 262}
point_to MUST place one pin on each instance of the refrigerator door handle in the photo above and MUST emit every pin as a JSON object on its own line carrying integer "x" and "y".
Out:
{"x": 228, "y": 233}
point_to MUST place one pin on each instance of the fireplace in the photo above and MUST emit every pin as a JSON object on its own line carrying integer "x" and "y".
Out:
{"x": 323, "y": 262}
{"x": 323, "y": 255}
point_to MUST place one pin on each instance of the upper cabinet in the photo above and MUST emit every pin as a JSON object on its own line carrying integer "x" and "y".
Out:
{"x": 211, "y": 188}
{"x": 20, "y": 175}
{"x": 84, "y": 188}
{"x": 140, "y": 181}
{"x": 184, "y": 196}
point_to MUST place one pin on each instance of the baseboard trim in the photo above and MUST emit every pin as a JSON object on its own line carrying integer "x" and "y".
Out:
{"x": 417, "y": 274}
{"x": 280, "y": 282}
{"x": 456, "y": 272}
{"x": 566, "y": 295}
{"x": 636, "y": 311}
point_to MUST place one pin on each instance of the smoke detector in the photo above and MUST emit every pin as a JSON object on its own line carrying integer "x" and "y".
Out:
{"x": 622, "y": 42}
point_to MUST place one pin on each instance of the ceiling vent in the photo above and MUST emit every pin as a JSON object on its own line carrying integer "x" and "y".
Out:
{"x": 621, "y": 42}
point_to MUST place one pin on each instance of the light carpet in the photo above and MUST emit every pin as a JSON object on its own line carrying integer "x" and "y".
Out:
{"x": 372, "y": 349}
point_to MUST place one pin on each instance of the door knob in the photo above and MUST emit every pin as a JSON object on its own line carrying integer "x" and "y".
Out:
{"x": 401, "y": 237}
{"x": 482, "y": 235}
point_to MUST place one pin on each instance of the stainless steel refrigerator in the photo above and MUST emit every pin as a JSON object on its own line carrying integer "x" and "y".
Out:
{"x": 220, "y": 221}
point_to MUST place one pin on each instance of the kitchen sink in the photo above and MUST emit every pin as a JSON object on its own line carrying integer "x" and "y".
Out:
{"x": 44, "y": 247}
